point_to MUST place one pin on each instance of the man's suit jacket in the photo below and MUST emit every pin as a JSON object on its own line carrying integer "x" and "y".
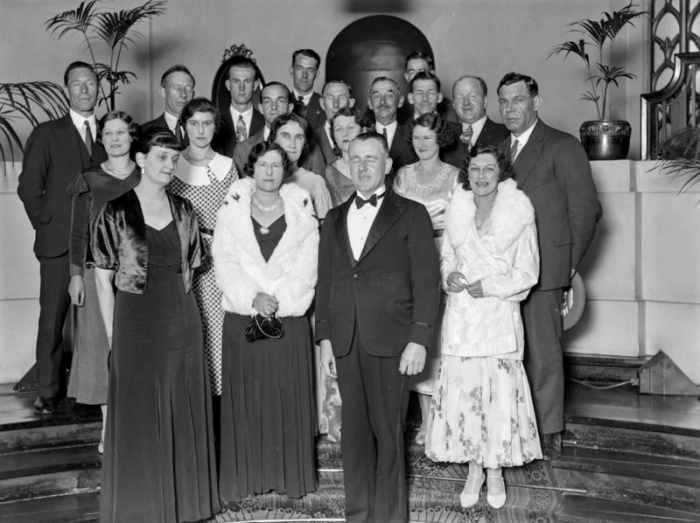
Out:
{"x": 554, "y": 172}
{"x": 313, "y": 162}
{"x": 491, "y": 134}
{"x": 324, "y": 145}
{"x": 54, "y": 155}
{"x": 313, "y": 112}
{"x": 225, "y": 138}
{"x": 161, "y": 123}
{"x": 391, "y": 294}
{"x": 444, "y": 109}
{"x": 401, "y": 152}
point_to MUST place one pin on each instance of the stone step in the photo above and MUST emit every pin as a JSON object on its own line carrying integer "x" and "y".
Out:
{"x": 73, "y": 508}
{"x": 602, "y": 369}
{"x": 585, "y": 509}
{"x": 648, "y": 480}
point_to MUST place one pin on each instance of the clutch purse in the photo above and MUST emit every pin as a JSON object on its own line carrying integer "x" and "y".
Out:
{"x": 261, "y": 328}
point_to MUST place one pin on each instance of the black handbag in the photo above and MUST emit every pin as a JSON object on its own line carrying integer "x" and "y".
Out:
{"x": 261, "y": 328}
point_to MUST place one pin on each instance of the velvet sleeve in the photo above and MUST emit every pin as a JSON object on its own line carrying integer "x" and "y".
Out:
{"x": 105, "y": 239}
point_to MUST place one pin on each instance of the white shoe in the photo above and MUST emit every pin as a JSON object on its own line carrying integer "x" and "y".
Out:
{"x": 496, "y": 491}
{"x": 472, "y": 489}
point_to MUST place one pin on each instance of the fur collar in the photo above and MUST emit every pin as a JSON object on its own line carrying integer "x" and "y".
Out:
{"x": 511, "y": 213}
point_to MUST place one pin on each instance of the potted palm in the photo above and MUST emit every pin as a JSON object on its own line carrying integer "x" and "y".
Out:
{"x": 603, "y": 139}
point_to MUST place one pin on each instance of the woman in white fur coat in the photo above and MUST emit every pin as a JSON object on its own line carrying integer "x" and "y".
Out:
{"x": 265, "y": 253}
{"x": 482, "y": 411}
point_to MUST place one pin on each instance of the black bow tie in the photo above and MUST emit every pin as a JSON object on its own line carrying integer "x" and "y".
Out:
{"x": 360, "y": 201}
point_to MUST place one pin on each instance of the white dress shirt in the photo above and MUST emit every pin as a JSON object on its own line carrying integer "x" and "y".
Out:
{"x": 306, "y": 98}
{"x": 360, "y": 222}
{"x": 522, "y": 139}
{"x": 390, "y": 131}
{"x": 476, "y": 129}
{"x": 247, "y": 118}
{"x": 79, "y": 122}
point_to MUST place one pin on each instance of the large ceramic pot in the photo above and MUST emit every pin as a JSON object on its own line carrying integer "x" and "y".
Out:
{"x": 606, "y": 139}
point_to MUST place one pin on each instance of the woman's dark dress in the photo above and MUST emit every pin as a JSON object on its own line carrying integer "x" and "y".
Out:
{"x": 159, "y": 463}
{"x": 267, "y": 404}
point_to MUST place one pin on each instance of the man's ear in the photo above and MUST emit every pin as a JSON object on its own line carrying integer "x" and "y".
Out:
{"x": 537, "y": 100}
{"x": 322, "y": 103}
{"x": 227, "y": 83}
{"x": 439, "y": 98}
{"x": 290, "y": 108}
{"x": 401, "y": 101}
{"x": 387, "y": 165}
{"x": 161, "y": 90}
{"x": 351, "y": 102}
{"x": 409, "y": 97}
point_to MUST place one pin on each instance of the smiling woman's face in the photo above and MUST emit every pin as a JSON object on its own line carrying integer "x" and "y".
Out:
{"x": 116, "y": 138}
{"x": 424, "y": 142}
{"x": 345, "y": 129}
{"x": 484, "y": 174}
{"x": 268, "y": 172}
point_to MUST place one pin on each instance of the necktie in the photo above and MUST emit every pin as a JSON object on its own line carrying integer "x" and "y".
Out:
{"x": 466, "y": 136}
{"x": 360, "y": 201}
{"x": 513, "y": 151}
{"x": 386, "y": 136}
{"x": 241, "y": 131}
{"x": 299, "y": 106}
{"x": 88, "y": 138}
{"x": 178, "y": 133}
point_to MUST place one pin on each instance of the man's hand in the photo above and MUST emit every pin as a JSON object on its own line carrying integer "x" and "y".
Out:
{"x": 327, "y": 359}
{"x": 412, "y": 359}
{"x": 76, "y": 290}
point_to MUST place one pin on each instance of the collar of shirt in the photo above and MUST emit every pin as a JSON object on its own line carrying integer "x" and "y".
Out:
{"x": 359, "y": 222}
{"x": 390, "y": 131}
{"x": 266, "y": 133}
{"x": 476, "y": 128}
{"x": 523, "y": 138}
{"x": 379, "y": 192}
{"x": 327, "y": 128}
{"x": 171, "y": 120}
{"x": 305, "y": 97}
{"x": 79, "y": 123}
{"x": 247, "y": 117}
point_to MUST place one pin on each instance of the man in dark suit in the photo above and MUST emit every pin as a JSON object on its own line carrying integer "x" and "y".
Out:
{"x": 177, "y": 89}
{"x": 336, "y": 95}
{"x": 376, "y": 301}
{"x": 241, "y": 120}
{"x": 304, "y": 71}
{"x": 56, "y": 152}
{"x": 418, "y": 62}
{"x": 470, "y": 103}
{"x": 552, "y": 169}
{"x": 274, "y": 101}
{"x": 385, "y": 99}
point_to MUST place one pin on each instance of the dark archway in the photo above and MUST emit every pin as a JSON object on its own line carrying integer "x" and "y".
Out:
{"x": 370, "y": 47}
{"x": 220, "y": 96}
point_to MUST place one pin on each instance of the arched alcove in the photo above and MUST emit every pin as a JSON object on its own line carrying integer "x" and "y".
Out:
{"x": 373, "y": 46}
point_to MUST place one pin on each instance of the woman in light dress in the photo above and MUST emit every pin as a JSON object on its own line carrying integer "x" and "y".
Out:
{"x": 482, "y": 411}
{"x": 204, "y": 177}
{"x": 429, "y": 181}
{"x": 292, "y": 133}
{"x": 345, "y": 126}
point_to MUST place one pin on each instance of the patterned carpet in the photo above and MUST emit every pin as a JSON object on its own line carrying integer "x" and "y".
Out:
{"x": 434, "y": 490}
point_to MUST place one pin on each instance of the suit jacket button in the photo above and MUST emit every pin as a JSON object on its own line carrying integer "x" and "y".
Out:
{"x": 355, "y": 276}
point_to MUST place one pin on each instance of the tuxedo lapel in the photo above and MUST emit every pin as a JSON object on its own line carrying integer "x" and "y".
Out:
{"x": 341, "y": 230}
{"x": 527, "y": 158}
{"x": 389, "y": 212}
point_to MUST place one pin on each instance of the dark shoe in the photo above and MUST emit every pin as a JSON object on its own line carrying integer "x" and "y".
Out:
{"x": 45, "y": 405}
{"x": 551, "y": 446}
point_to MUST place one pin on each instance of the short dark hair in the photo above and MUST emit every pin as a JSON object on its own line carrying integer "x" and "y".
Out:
{"x": 337, "y": 81}
{"x": 177, "y": 68}
{"x": 284, "y": 119}
{"x": 384, "y": 79}
{"x": 373, "y": 135}
{"x": 155, "y": 137}
{"x": 425, "y": 75}
{"x": 261, "y": 149}
{"x": 200, "y": 105}
{"x": 243, "y": 62}
{"x": 502, "y": 159}
{"x": 514, "y": 78}
{"x": 307, "y": 52}
{"x": 76, "y": 65}
{"x": 478, "y": 79}
{"x": 351, "y": 112}
{"x": 124, "y": 117}
{"x": 275, "y": 83}
{"x": 443, "y": 134}
{"x": 421, "y": 55}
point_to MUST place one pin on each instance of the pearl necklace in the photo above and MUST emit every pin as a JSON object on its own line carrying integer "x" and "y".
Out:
{"x": 266, "y": 230}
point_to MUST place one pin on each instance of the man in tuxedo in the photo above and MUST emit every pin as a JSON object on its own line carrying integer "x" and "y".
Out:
{"x": 241, "y": 120}
{"x": 56, "y": 152}
{"x": 376, "y": 302}
{"x": 176, "y": 89}
{"x": 418, "y": 62}
{"x": 552, "y": 169}
{"x": 470, "y": 103}
{"x": 274, "y": 101}
{"x": 385, "y": 100}
{"x": 336, "y": 95}
{"x": 304, "y": 71}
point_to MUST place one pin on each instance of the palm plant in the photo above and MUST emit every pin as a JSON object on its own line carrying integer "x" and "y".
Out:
{"x": 600, "y": 34}
{"x": 31, "y": 101}
{"x": 679, "y": 156}
{"x": 114, "y": 29}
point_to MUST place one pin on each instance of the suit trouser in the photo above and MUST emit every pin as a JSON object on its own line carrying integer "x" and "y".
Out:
{"x": 544, "y": 361}
{"x": 375, "y": 402}
{"x": 53, "y": 302}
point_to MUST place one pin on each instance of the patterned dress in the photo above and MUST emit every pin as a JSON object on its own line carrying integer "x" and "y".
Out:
{"x": 436, "y": 197}
{"x": 206, "y": 187}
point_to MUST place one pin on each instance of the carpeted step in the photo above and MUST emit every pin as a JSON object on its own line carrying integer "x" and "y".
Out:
{"x": 585, "y": 509}
{"x": 74, "y": 508}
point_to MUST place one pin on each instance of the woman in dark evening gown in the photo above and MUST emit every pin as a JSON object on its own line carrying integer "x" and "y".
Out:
{"x": 266, "y": 253}
{"x": 159, "y": 464}
{"x": 91, "y": 190}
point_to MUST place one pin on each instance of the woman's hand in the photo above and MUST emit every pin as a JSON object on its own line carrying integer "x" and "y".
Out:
{"x": 475, "y": 289}
{"x": 265, "y": 304}
{"x": 76, "y": 290}
{"x": 456, "y": 282}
